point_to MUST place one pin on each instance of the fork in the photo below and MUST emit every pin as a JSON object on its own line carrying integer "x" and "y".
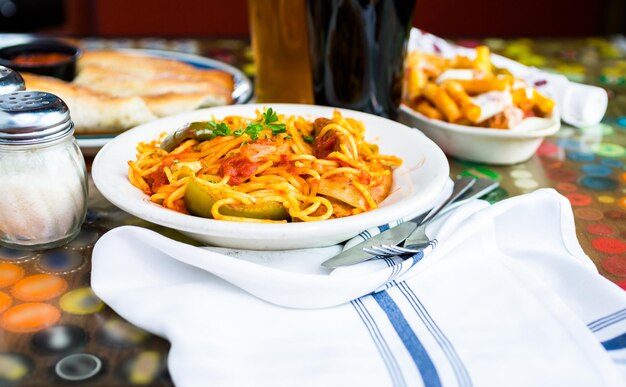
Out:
{"x": 418, "y": 241}
{"x": 460, "y": 186}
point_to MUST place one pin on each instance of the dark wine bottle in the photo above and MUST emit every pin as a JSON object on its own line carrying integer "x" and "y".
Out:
{"x": 357, "y": 52}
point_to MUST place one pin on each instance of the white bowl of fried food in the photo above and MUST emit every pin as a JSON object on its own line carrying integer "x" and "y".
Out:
{"x": 475, "y": 111}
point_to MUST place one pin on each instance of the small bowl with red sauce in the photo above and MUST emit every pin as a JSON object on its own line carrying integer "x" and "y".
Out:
{"x": 44, "y": 57}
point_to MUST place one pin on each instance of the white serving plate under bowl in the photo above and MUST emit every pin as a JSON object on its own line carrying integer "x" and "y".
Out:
{"x": 417, "y": 182}
{"x": 484, "y": 145}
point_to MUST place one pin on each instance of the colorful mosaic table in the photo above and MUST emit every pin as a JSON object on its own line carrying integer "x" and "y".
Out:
{"x": 55, "y": 331}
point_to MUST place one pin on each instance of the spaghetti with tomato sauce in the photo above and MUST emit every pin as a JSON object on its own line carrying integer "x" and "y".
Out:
{"x": 270, "y": 168}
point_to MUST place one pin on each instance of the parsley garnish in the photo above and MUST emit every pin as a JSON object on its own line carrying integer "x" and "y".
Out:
{"x": 270, "y": 119}
{"x": 308, "y": 139}
{"x": 253, "y": 130}
{"x": 219, "y": 129}
{"x": 270, "y": 116}
{"x": 208, "y": 130}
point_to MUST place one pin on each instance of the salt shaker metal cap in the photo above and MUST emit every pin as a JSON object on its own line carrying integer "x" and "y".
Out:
{"x": 10, "y": 80}
{"x": 33, "y": 117}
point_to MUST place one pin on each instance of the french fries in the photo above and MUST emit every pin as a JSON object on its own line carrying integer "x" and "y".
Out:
{"x": 426, "y": 109}
{"x": 458, "y": 89}
{"x": 440, "y": 98}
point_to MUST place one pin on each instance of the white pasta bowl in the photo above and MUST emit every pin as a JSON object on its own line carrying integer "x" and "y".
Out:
{"x": 484, "y": 145}
{"x": 417, "y": 183}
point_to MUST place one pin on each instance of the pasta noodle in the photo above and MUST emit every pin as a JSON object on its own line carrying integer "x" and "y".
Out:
{"x": 270, "y": 168}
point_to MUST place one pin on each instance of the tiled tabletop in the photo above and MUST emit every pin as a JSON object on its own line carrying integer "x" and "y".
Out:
{"x": 55, "y": 331}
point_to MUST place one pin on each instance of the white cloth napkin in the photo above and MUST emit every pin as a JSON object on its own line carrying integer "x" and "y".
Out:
{"x": 508, "y": 298}
{"x": 579, "y": 105}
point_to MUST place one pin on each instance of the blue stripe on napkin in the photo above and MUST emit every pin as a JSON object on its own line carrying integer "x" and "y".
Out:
{"x": 417, "y": 257}
{"x": 395, "y": 270}
{"x": 606, "y": 321}
{"x": 389, "y": 359}
{"x": 615, "y": 343}
{"x": 390, "y": 263}
{"x": 415, "y": 348}
{"x": 460, "y": 371}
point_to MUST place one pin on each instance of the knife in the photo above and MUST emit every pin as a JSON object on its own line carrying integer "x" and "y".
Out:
{"x": 480, "y": 188}
{"x": 355, "y": 254}
{"x": 394, "y": 235}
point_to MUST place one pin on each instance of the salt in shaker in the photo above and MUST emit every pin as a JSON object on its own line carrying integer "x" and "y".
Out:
{"x": 43, "y": 195}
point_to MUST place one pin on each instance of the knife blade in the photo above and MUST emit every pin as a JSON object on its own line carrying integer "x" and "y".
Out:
{"x": 355, "y": 253}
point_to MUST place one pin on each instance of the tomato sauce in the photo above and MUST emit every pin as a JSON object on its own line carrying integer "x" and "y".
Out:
{"x": 325, "y": 145}
{"x": 239, "y": 168}
{"x": 43, "y": 58}
{"x": 158, "y": 178}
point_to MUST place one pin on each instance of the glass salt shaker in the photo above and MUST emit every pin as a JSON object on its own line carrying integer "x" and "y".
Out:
{"x": 10, "y": 80}
{"x": 43, "y": 195}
